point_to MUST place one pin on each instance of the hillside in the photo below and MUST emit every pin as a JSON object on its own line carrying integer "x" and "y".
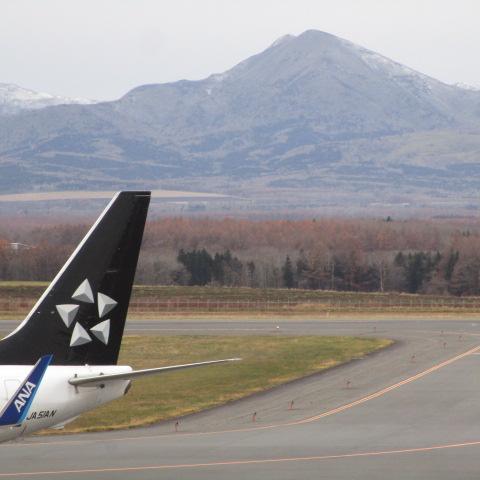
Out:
{"x": 310, "y": 121}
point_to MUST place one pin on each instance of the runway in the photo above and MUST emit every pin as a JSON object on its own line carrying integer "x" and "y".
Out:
{"x": 410, "y": 411}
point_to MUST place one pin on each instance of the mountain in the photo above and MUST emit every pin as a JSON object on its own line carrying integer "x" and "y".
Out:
{"x": 338, "y": 87}
{"x": 312, "y": 120}
{"x": 14, "y": 99}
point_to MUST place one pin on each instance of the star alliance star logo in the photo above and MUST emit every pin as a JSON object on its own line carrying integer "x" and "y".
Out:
{"x": 68, "y": 312}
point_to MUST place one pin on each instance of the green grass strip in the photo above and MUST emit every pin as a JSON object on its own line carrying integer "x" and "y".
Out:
{"x": 268, "y": 361}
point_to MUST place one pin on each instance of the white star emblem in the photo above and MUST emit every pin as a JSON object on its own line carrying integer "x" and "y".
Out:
{"x": 79, "y": 336}
{"x": 105, "y": 304}
{"x": 68, "y": 312}
{"x": 101, "y": 331}
{"x": 84, "y": 292}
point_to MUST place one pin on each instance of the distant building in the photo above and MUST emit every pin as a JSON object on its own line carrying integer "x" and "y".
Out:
{"x": 15, "y": 246}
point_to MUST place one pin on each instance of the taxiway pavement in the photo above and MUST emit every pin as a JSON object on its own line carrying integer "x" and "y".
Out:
{"x": 410, "y": 411}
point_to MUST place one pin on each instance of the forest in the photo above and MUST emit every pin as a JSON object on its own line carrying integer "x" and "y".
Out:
{"x": 440, "y": 256}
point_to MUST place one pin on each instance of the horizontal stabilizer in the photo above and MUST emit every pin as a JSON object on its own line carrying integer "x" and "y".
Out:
{"x": 98, "y": 379}
{"x": 16, "y": 410}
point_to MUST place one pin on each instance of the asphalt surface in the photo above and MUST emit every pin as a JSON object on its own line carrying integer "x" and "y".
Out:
{"x": 410, "y": 411}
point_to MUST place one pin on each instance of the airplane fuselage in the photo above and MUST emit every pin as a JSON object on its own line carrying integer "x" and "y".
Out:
{"x": 56, "y": 401}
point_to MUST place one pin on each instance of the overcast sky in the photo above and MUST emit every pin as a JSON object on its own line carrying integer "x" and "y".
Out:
{"x": 102, "y": 48}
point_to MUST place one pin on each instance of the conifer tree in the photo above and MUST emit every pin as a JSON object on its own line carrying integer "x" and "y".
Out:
{"x": 287, "y": 273}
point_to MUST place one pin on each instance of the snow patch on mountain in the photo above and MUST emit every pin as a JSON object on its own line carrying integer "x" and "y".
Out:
{"x": 281, "y": 40}
{"x": 14, "y": 99}
{"x": 390, "y": 68}
{"x": 466, "y": 86}
{"x": 219, "y": 77}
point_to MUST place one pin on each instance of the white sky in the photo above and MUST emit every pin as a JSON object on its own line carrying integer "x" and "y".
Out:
{"x": 102, "y": 48}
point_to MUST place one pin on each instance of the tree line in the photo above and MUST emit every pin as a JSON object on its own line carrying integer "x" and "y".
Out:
{"x": 416, "y": 256}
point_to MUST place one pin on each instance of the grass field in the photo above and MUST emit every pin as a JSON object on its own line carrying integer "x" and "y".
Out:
{"x": 267, "y": 361}
{"x": 17, "y": 298}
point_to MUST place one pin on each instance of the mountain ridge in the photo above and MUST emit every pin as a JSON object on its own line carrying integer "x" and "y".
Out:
{"x": 311, "y": 113}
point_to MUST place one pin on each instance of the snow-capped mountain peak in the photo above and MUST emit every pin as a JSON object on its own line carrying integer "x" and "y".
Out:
{"x": 14, "y": 99}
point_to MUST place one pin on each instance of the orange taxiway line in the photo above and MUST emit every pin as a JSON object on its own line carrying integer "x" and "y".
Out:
{"x": 228, "y": 463}
{"x": 314, "y": 418}
{"x": 391, "y": 387}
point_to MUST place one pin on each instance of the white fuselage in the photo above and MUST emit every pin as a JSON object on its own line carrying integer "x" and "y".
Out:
{"x": 56, "y": 401}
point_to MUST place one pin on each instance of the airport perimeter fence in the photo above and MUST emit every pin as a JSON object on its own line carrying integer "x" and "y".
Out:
{"x": 338, "y": 304}
{"x": 333, "y": 305}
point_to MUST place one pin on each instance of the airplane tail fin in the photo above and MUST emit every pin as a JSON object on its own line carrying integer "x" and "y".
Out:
{"x": 15, "y": 411}
{"x": 81, "y": 316}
